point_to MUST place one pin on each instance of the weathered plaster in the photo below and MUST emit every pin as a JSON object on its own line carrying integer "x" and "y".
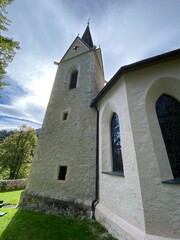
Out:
{"x": 70, "y": 143}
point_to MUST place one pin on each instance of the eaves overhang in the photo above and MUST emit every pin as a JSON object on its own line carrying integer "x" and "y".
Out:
{"x": 135, "y": 66}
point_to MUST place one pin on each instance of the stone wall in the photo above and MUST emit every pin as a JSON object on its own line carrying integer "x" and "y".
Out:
{"x": 40, "y": 202}
{"x": 70, "y": 143}
{"x": 12, "y": 184}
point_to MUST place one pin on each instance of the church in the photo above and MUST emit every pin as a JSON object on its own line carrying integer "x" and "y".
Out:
{"x": 111, "y": 151}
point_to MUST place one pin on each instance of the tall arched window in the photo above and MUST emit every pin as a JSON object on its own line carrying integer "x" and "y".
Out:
{"x": 73, "y": 80}
{"x": 116, "y": 144}
{"x": 168, "y": 113}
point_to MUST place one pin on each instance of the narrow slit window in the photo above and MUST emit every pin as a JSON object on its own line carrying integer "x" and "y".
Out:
{"x": 73, "y": 80}
{"x": 117, "y": 163}
{"x": 62, "y": 173}
{"x": 64, "y": 116}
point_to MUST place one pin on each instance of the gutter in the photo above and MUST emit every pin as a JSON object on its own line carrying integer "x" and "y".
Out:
{"x": 96, "y": 200}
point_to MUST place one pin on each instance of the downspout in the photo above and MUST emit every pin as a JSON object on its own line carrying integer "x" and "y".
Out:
{"x": 96, "y": 200}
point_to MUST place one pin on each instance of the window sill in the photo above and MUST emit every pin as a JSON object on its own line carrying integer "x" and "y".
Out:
{"x": 120, "y": 174}
{"x": 172, "y": 181}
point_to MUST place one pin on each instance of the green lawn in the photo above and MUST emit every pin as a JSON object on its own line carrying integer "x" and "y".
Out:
{"x": 10, "y": 197}
{"x": 20, "y": 224}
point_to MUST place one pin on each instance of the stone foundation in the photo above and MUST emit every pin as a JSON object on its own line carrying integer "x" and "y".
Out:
{"x": 12, "y": 184}
{"x": 41, "y": 203}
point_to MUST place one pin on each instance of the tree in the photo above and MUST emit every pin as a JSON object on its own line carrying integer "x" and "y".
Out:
{"x": 8, "y": 46}
{"x": 16, "y": 151}
{"x": 4, "y": 134}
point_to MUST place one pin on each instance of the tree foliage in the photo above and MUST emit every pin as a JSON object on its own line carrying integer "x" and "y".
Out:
{"x": 8, "y": 46}
{"x": 16, "y": 152}
{"x": 4, "y": 134}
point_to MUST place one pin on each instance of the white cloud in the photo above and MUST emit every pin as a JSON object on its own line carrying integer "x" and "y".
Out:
{"x": 38, "y": 79}
{"x": 127, "y": 31}
{"x": 10, "y": 123}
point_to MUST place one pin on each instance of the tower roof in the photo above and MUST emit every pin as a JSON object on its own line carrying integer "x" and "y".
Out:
{"x": 87, "y": 37}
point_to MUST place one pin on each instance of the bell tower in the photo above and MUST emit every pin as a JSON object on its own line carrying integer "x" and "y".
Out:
{"x": 63, "y": 172}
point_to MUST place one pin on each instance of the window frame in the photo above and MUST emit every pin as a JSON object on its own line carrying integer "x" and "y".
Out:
{"x": 62, "y": 173}
{"x": 164, "y": 115}
{"x": 64, "y": 116}
{"x": 117, "y": 164}
{"x": 73, "y": 80}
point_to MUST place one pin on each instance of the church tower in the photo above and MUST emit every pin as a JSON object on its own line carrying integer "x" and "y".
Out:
{"x": 63, "y": 172}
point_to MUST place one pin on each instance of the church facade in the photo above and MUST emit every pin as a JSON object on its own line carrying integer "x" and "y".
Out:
{"x": 111, "y": 152}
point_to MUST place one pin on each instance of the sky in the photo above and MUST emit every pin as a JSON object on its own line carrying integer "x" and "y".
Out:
{"x": 126, "y": 30}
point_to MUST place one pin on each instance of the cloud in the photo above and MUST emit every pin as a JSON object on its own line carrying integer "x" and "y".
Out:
{"x": 28, "y": 97}
{"x": 12, "y": 91}
{"x": 127, "y": 31}
{"x": 134, "y": 30}
{"x": 7, "y": 122}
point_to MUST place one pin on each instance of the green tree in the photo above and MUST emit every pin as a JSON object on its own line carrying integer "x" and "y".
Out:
{"x": 4, "y": 134}
{"x": 8, "y": 46}
{"x": 16, "y": 152}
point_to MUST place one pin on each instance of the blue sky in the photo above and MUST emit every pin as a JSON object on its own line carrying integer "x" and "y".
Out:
{"x": 126, "y": 30}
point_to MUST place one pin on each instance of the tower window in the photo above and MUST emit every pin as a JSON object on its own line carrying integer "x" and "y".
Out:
{"x": 168, "y": 113}
{"x": 73, "y": 80}
{"x": 62, "y": 173}
{"x": 117, "y": 164}
{"x": 64, "y": 116}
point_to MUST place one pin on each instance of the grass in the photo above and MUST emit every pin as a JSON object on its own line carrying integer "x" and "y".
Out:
{"x": 21, "y": 224}
{"x": 10, "y": 197}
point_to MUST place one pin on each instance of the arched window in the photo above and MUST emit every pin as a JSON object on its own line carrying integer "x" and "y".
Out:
{"x": 168, "y": 113}
{"x": 116, "y": 144}
{"x": 73, "y": 80}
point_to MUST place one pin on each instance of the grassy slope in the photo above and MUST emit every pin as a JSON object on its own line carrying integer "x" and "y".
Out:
{"x": 22, "y": 224}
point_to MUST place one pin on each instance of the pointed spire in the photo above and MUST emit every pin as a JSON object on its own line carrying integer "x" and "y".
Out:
{"x": 87, "y": 36}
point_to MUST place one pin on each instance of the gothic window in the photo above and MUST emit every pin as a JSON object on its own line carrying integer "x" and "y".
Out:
{"x": 117, "y": 164}
{"x": 73, "y": 80}
{"x": 168, "y": 113}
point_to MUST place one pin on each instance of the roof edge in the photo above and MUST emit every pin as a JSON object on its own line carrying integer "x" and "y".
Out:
{"x": 135, "y": 66}
{"x": 72, "y": 45}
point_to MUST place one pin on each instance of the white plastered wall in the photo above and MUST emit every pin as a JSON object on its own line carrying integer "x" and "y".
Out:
{"x": 139, "y": 206}
{"x": 160, "y": 201}
{"x": 120, "y": 205}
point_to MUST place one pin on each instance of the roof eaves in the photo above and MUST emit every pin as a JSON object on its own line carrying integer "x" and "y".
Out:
{"x": 135, "y": 66}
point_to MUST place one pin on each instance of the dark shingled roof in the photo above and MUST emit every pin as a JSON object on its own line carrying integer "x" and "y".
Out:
{"x": 134, "y": 66}
{"x": 87, "y": 37}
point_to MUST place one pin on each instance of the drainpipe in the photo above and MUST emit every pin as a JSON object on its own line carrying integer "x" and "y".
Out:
{"x": 96, "y": 200}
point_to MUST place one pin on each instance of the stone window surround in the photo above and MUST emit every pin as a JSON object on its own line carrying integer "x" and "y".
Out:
{"x": 73, "y": 79}
{"x": 168, "y": 86}
{"x": 117, "y": 164}
{"x": 107, "y": 164}
{"x": 74, "y": 67}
